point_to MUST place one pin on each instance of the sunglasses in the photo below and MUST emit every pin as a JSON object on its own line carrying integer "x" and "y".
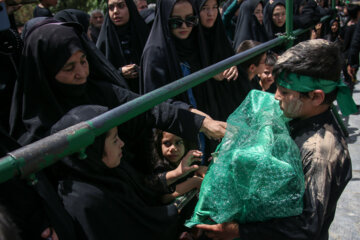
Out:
{"x": 190, "y": 21}
{"x": 120, "y": 5}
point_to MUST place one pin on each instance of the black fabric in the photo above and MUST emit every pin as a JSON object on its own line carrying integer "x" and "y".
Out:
{"x": 94, "y": 33}
{"x": 353, "y": 59}
{"x": 41, "y": 12}
{"x": 160, "y": 62}
{"x": 74, "y": 15}
{"x": 110, "y": 203}
{"x": 247, "y": 26}
{"x": 123, "y": 45}
{"x": 10, "y": 52}
{"x": 36, "y": 109}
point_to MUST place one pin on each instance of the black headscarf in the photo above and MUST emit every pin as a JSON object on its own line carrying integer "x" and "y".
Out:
{"x": 160, "y": 63}
{"x": 110, "y": 203}
{"x": 247, "y": 26}
{"x": 270, "y": 27}
{"x": 135, "y": 32}
{"x": 39, "y": 100}
{"x": 74, "y": 15}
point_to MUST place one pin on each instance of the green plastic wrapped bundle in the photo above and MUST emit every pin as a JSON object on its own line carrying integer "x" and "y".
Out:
{"x": 257, "y": 172}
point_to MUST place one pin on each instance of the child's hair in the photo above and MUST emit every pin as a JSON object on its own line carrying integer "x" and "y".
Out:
{"x": 270, "y": 59}
{"x": 157, "y": 156}
{"x": 246, "y": 45}
{"x": 315, "y": 58}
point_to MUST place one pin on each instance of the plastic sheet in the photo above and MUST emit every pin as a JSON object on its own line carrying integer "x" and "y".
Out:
{"x": 257, "y": 172}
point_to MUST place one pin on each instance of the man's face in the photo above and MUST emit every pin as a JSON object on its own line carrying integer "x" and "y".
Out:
{"x": 97, "y": 19}
{"x": 290, "y": 102}
{"x": 141, "y": 5}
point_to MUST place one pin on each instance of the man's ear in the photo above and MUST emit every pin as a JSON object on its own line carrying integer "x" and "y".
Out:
{"x": 317, "y": 97}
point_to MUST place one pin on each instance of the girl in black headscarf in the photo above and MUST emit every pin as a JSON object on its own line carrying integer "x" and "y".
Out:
{"x": 104, "y": 195}
{"x": 122, "y": 39}
{"x": 250, "y": 25}
{"x": 333, "y": 35}
{"x": 274, "y": 18}
{"x": 165, "y": 54}
{"x": 74, "y": 15}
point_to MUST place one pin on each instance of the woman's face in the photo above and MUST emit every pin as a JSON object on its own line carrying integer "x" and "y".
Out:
{"x": 279, "y": 16}
{"x": 258, "y": 12}
{"x": 172, "y": 147}
{"x": 112, "y": 149}
{"x": 118, "y": 12}
{"x": 75, "y": 71}
{"x": 182, "y": 11}
{"x": 335, "y": 27}
{"x": 208, "y": 13}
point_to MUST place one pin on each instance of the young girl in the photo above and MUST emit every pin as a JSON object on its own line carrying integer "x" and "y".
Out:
{"x": 104, "y": 195}
{"x": 173, "y": 162}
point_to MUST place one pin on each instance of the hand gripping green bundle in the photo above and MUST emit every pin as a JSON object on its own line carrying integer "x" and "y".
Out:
{"x": 257, "y": 173}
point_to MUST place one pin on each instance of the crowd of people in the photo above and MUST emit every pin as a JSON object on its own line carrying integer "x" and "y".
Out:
{"x": 71, "y": 66}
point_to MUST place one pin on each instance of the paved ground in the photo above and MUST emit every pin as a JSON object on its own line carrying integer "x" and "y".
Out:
{"x": 346, "y": 224}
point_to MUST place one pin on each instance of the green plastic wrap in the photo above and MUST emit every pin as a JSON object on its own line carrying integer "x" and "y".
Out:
{"x": 257, "y": 172}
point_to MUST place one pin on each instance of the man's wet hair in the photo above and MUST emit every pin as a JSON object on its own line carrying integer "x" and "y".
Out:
{"x": 315, "y": 58}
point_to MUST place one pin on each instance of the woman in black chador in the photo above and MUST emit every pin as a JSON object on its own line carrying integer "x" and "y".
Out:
{"x": 106, "y": 196}
{"x": 274, "y": 18}
{"x": 122, "y": 39}
{"x": 250, "y": 25}
{"x": 61, "y": 70}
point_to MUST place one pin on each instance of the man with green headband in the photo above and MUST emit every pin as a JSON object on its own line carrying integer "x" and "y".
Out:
{"x": 308, "y": 82}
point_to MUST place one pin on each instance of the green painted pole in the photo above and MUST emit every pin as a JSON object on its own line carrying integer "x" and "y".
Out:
{"x": 34, "y": 157}
{"x": 289, "y": 23}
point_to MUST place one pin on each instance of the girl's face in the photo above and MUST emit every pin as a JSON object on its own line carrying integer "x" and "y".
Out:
{"x": 75, "y": 71}
{"x": 112, "y": 149}
{"x": 335, "y": 27}
{"x": 258, "y": 12}
{"x": 172, "y": 147}
{"x": 183, "y": 14}
{"x": 118, "y": 12}
{"x": 208, "y": 13}
{"x": 279, "y": 15}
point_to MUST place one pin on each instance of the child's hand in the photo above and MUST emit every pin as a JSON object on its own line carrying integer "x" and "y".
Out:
{"x": 201, "y": 171}
{"x": 195, "y": 182}
{"x": 185, "y": 167}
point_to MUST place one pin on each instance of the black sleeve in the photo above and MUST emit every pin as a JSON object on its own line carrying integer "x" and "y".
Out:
{"x": 307, "y": 17}
{"x": 24, "y": 207}
{"x": 355, "y": 48}
{"x": 164, "y": 116}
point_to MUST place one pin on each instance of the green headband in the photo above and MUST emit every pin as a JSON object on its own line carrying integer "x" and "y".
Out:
{"x": 301, "y": 83}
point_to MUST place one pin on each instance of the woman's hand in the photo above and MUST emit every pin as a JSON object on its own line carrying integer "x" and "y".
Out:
{"x": 196, "y": 111}
{"x": 130, "y": 71}
{"x": 223, "y": 231}
{"x": 231, "y": 73}
{"x": 213, "y": 129}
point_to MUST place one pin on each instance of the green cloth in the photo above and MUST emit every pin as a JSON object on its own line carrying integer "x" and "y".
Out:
{"x": 301, "y": 83}
{"x": 257, "y": 173}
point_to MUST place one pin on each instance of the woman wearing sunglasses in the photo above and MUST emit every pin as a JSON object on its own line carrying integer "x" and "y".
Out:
{"x": 122, "y": 39}
{"x": 175, "y": 49}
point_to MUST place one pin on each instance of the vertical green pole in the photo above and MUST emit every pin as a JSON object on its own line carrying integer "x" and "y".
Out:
{"x": 333, "y": 4}
{"x": 289, "y": 23}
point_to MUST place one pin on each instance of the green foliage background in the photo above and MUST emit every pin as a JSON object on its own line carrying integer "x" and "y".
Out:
{"x": 26, "y": 12}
